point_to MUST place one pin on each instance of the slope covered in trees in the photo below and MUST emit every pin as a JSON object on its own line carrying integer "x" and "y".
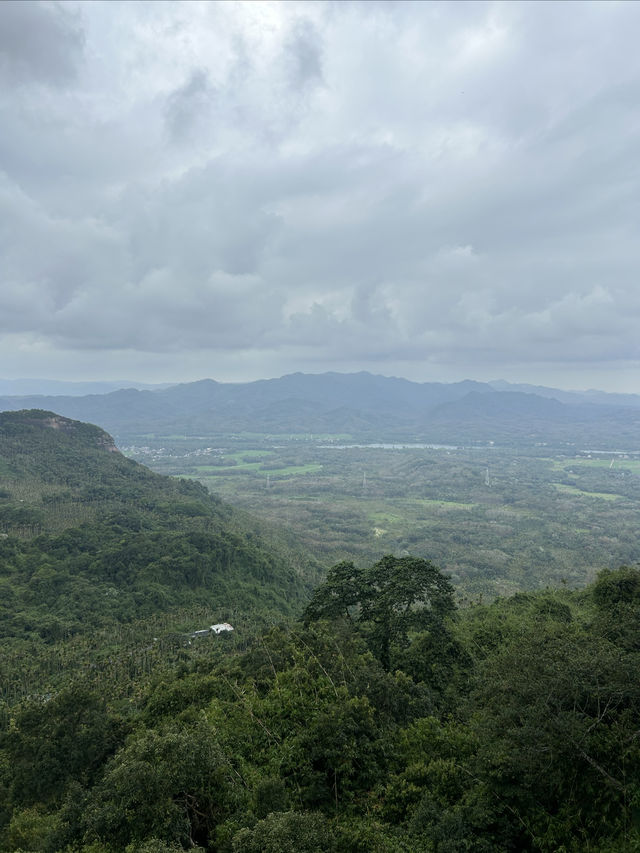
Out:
{"x": 90, "y": 541}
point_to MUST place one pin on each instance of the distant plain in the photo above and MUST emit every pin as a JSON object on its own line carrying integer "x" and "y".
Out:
{"x": 498, "y": 520}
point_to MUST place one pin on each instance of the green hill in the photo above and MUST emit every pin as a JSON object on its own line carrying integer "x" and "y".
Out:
{"x": 91, "y": 541}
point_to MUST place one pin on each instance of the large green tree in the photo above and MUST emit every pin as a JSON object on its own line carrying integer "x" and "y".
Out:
{"x": 176, "y": 784}
{"x": 392, "y": 601}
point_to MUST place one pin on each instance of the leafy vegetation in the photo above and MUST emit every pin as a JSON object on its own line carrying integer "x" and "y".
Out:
{"x": 385, "y": 717}
{"x": 387, "y": 721}
{"x": 93, "y": 542}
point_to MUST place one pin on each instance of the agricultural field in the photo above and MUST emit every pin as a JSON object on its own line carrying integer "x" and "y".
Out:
{"x": 498, "y": 521}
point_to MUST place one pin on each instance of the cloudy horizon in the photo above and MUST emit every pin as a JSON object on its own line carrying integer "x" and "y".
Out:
{"x": 438, "y": 191}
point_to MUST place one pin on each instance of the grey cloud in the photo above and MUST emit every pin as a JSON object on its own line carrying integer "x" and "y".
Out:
{"x": 39, "y": 42}
{"x": 153, "y": 315}
{"x": 186, "y": 105}
{"x": 303, "y": 55}
{"x": 213, "y": 218}
{"x": 348, "y": 185}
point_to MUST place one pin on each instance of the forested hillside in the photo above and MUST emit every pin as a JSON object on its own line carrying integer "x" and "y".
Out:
{"x": 92, "y": 542}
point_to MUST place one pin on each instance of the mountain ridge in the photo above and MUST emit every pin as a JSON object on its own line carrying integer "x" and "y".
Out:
{"x": 361, "y": 404}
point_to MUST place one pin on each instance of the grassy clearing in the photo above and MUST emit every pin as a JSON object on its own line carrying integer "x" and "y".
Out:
{"x": 226, "y": 469}
{"x": 412, "y": 510}
{"x": 428, "y": 502}
{"x": 246, "y": 460}
{"x": 288, "y": 436}
{"x": 213, "y": 471}
{"x": 293, "y": 470}
{"x": 572, "y": 490}
{"x": 382, "y": 517}
{"x": 632, "y": 465}
{"x": 241, "y": 455}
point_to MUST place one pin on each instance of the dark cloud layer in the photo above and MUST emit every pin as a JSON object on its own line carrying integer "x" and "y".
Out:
{"x": 432, "y": 189}
{"x": 39, "y": 43}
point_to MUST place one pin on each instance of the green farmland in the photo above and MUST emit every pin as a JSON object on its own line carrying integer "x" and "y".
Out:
{"x": 498, "y": 521}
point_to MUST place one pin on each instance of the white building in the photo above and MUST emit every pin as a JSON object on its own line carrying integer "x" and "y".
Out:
{"x": 220, "y": 627}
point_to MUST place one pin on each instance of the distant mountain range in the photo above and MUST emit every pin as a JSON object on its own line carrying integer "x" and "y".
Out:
{"x": 602, "y": 398}
{"x": 361, "y": 405}
{"x": 24, "y": 387}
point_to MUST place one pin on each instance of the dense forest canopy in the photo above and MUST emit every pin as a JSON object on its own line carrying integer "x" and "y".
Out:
{"x": 510, "y": 726}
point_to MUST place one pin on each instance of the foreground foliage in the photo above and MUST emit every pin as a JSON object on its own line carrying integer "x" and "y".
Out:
{"x": 387, "y": 721}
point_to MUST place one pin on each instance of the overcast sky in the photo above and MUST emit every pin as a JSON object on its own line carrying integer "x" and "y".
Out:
{"x": 240, "y": 190}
